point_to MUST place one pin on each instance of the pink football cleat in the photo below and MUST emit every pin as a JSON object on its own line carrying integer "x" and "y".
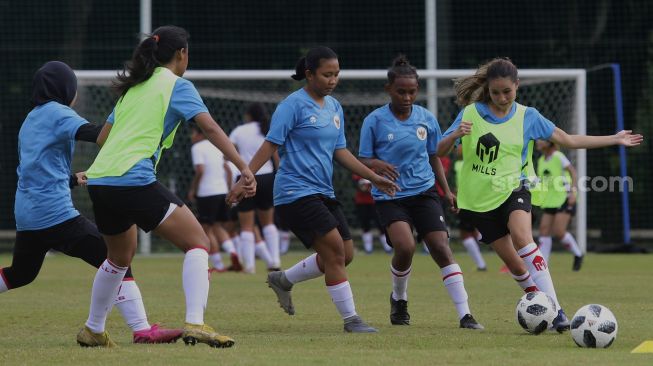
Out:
{"x": 157, "y": 334}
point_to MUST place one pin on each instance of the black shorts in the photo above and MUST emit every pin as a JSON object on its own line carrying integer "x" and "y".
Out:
{"x": 423, "y": 212}
{"x": 565, "y": 208}
{"x": 465, "y": 225}
{"x": 117, "y": 208}
{"x": 263, "y": 199}
{"x": 313, "y": 216}
{"x": 212, "y": 209}
{"x": 493, "y": 224}
{"x": 367, "y": 216}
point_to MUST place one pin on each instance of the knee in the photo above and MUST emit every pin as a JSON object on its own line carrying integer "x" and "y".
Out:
{"x": 16, "y": 280}
{"x": 404, "y": 249}
{"x": 559, "y": 234}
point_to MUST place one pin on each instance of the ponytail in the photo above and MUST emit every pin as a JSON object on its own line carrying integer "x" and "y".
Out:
{"x": 258, "y": 113}
{"x": 156, "y": 50}
{"x": 312, "y": 61}
{"x": 475, "y": 88}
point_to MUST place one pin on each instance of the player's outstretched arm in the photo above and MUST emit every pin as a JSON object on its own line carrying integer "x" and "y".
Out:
{"x": 625, "y": 138}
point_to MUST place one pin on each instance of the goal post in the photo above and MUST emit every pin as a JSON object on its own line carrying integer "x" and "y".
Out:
{"x": 559, "y": 94}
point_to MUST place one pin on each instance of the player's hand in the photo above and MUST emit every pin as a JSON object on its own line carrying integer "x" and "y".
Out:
{"x": 571, "y": 199}
{"x": 628, "y": 139}
{"x": 236, "y": 193}
{"x": 465, "y": 128}
{"x": 82, "y": 179}
{"x": 385, "y": 169}
{"x": 452, "y": 200}
{"x": 385, "y": 185}
{"x": 249, "y": 181}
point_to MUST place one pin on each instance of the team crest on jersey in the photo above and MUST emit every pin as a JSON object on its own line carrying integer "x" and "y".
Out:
{"x": 391, "y": 137}
{"x": 336, "y": 121}
{"x": 421, "y": 133}
{"x": 313, "y": 119}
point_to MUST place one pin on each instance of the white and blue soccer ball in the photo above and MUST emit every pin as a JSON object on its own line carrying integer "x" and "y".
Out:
{"x": 594, "y": 326}
{"x": 535, "y": 312}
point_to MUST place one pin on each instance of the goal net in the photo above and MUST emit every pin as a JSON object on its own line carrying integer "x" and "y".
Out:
{"x": 559, "y": 94}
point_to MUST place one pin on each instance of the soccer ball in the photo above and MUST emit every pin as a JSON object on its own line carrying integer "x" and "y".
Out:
{"x": 594, "y": 326}
{"x": 536, "y": 311}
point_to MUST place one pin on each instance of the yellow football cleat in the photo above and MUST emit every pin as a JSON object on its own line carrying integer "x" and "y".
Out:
{"x": 86, "y": 338}
{"x": 202, "y": 333}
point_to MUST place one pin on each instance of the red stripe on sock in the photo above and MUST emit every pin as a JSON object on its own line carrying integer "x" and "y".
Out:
{"x": 531, "y": 252}
{"x": 531, "y": 289}
{"x": 336, "y": 283}
{"x": 522, "y": 280}
{"x": 116, "y": 266}
{"x": 399, "y": 274}
{"x": 4, "y": 278}
{"x": 198, "y": 247}
{"x": 128, "y": 279}
{"x": 451, "y": 274}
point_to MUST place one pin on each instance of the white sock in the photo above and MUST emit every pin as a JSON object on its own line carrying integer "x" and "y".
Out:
{"x": 262, "y": 252}
{"x": 237, "y": 246}
{"x": 216, "y": 260}
{"x": 228, "y": 246}
{"x": 271, "y": 235}
{"x": 384, "y": 242}
{"x": 304, "y": 270}
{"x": 474, "y": 251}
{"x": 570, "y": 243}
{"x": 284, "y": 241}
{"x": 400, "y": 283}
{"x": 247, "y": 252}
{"x": 545, "y": 246}
{"x": 452, "y": 276}
{"x": 539, "y": 269}
{"x": 525, "y": 281}
{"x": 105, "y": 288}
{"x": 478, "y": 236}
{"x": 3, "y": 282}
{"x": 367, "y": 241}
{"x": 196, "y": 284}
{"x": 130, "y": 303}
{"x": 343, "y": 298}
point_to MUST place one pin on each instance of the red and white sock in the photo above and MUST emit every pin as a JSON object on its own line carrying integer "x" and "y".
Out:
{"x": 271, "y": 235}
{"x": 545, "y": 246}
{"x": 539, "y": 269}
{"x": 343, "y": 298}
{"x": 130, "y": 304}
{"x": 105, "y": 288}
{"x": 228, "y": 246}
{"x": 570, "y": 243}
{"x": 247, "y": 251}
{"x": 4, "y": 284}
{"x": 196, "y": 284}
{"x": 216, "y": 260}
{"x": 304, "y": 270}
{"x": 525, "y": 281}
{"x": 474, "y": 251}
{"x": 400, "y": 283}
{"x": 262, "y": 252}
{"x": 452, "y": 276}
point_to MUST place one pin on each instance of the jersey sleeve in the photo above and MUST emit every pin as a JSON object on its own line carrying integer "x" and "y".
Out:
{"x": 342, "y": 140}
{"x": 537, "y": 127}
{"x": 185, "y": 101}
{"x": 564, "y": 160}
{"x": 68, "y": 124}
{"x": 196, "y": 155}
{"x": 282, "y": 122}
{"x": 454, "y": 126}
{"x": 366, "y": 143}
{"x": 434, "y": 136}
{"x": 111, "y": 117}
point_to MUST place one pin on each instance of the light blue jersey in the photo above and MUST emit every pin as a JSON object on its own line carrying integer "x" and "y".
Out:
{"x": 404, "y": 144}
{"x": 185, "y": 103}
{"x": 536, "y": 126}
{"x": 308, "y": 135}
{"x": 46, "y": 142}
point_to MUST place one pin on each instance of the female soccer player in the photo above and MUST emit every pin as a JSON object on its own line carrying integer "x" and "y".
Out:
{"x": 154, "y": 100}
{"x": 308, "y": 129}
{"x": 247, "y": 138}
{"x": 496, "y": 132}
{"x": 45, "y": 216}
{"x": 400, "y": 139}
{"x": 558, "y": 180}
{"x": 208, "y": 190}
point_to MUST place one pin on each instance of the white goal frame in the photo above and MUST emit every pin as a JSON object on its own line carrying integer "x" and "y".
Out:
{"x": 580, "y": 112}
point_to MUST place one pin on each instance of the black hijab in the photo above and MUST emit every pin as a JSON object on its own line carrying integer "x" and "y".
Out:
{"x": 54, "y": 81}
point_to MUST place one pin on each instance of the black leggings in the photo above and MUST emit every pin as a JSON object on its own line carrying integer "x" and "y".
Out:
{"x": 77, "y": 237}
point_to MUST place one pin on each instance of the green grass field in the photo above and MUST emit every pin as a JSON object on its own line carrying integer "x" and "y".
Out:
{"x": 38, "y": 323}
